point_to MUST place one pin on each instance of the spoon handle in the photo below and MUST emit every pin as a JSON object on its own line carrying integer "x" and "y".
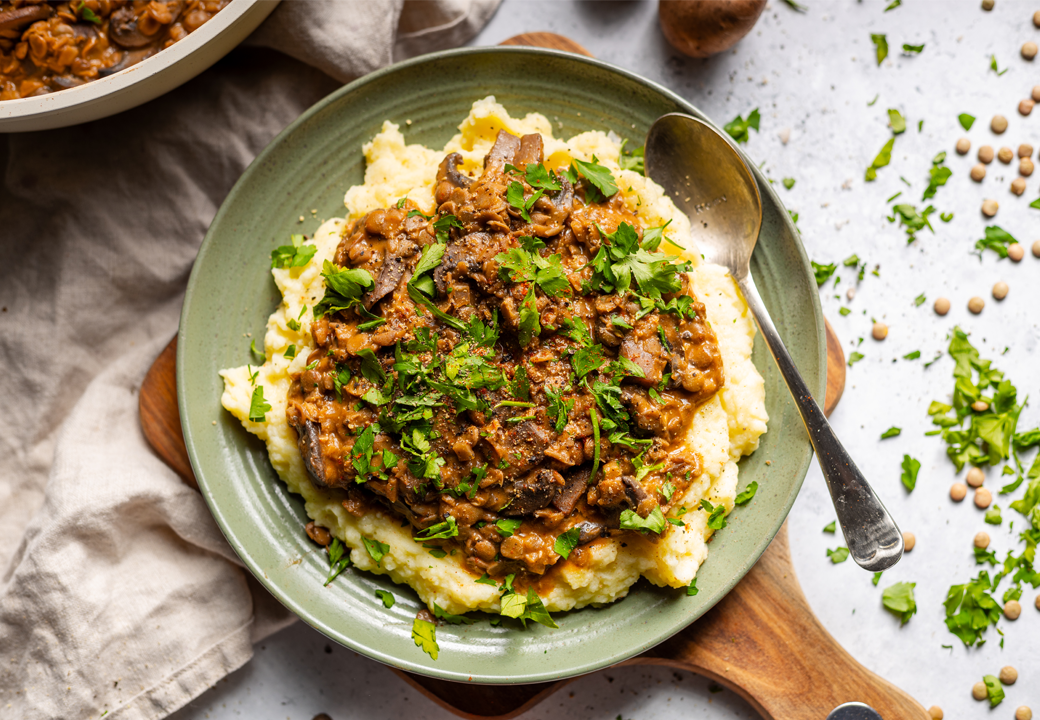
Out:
{"x": 873, "y": 538}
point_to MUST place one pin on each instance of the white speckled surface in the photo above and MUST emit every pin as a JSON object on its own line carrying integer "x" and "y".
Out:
{"x": 815, "y": 74}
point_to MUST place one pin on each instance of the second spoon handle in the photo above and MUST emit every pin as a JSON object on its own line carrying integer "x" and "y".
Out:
{"x": 873, "y": 538}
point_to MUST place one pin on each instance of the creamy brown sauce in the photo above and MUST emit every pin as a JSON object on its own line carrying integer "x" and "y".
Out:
{"x": 510, "y": 423}
{"x": 51, "y": 46}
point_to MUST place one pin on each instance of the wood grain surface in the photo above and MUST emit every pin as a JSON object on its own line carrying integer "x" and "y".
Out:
{"x": 762, "y": 640}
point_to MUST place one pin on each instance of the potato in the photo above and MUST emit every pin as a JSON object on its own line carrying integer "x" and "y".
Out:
{"x": 701, "y": 28}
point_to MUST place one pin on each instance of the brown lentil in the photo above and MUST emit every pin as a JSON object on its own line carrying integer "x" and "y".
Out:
{"x": 983, "y": 498}
{"x": 1036, "y": 93}
{"x": 998, "y": 124}
{"x": 958, "y": 491}
{"x": 1000, "y": 290}
{"x": 975, "y": 477}
{"x": 1012, "y": 610}
{"x": 1018, "y": 186}
{"x": 942, "y": 306}
{"x": 1008, "y": 675}
{"x": 1015, "y": 250}
{"x": 985, "y": 154}
{"x": 1025, "y": 106}
{"x": 1025, "y": 167}
{"x": 909, "y": 541}
{"x": 1023, "y": 712}
{"x": 1036, "y": 249}
{"x": 936, "y": 712}
{"x": 978, "y": 172}
{"x": 1025, "y": 150}
{"x": 990, "y": 207}
{"x": 1005, "y": 155}
{"x": 978, "y": 691}
{"x": 1029, "y": 50}
{"x": 982, "y": 540}
{"x": 976, "y": 304}
{"x": 963, "y": 146}
{"x": 880, "y": 331}
{"x": 987, "y": 5}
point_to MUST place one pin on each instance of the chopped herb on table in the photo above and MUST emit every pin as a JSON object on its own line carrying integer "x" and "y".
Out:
{"x": 912, "y": 49}
{"x": 884, "y": 157}
{"x": 838, "y": 555}
{"x": 881, "y": 44}
{"x": 994, "y": 690}
{"x": 387, "y": 598}
{"x": 938, "y": 174}
{"x": 749, "y": 492}
{"x": 823, "y": 273}
{"x": 831, "y": 528}
{"x": 896, "y": 122}
{"x": 891, "y": 432}
{"x": 996, "y": 239}
{"x": 424, "y": 633}
{"x": 293, "y": 256}
{"x": 854, "y": 358}
{"x": 909, "y": 475}
{"x": 738, "y": 127}
{"x": 788, "y": 183}
{"x": 966, "y": 120}
{"x": 339, "y": 559}
{"x": 993, "y": 66}
{"x": 258, "y": 407}
{"x": 899, "y": 599}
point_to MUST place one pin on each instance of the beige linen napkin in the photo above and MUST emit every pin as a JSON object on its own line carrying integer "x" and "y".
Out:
{"x": 119, "y": 596}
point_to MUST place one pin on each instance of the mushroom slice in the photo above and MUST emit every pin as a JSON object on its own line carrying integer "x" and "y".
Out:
{"x": 530, "y": 150}
{"x": 17, "y": 18}
{"x": 503, "y": 152}
{"x": 449, "y": 170}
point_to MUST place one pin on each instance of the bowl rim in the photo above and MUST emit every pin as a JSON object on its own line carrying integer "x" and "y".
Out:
{"x": 97, "y": 91}
{"x": 298, "y": 605}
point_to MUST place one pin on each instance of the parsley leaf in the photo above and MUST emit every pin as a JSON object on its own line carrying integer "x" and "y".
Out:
{"x": 87, "y": 14}
{"x": 566, "y": 542}
{"x": 884, "y": 157}
{"x": 507, "y": 527}
{"x": 587, "y": 360}
{"x": 913, "y": 355}
{"x": 530, "y": 321}
{"x": 899, "y": 599}
{"x": 831, "y": 528}
{"x": 938, "y": 175}
{"x": 441, "y": 531}
{"x": 876, "y": 578}
{"x": 258, "y": 407}
{"x": 912, "y": 49}
{"x": 896, "y": 121}
{"x": 424, "y": 633}
{"x": 744, "y": 497}
{"x": 977, "y": 609}
{"x": 431, "y": 257}
{"x": 387, "y": 597}
{"x": 966, "y": 120}
{"x": 597, "y": 175}
{"x": 994, "y": 690}
{"x": 716, "y": 514}
{"x": 691, "y": 589}
{"x": 838, "y": 555}
{"x": 891, "y": 432}
{"x": 911, "y": 219}
{"x": 823, "y": 273}
{"x": 293, "y": 256}
{"x": 993, "y": 66}
{"x": 788, "y": 183}
{"x": 738, "y": 127}
{"x": 446, "y": 616}
{"x": 339, "y": 560}
{"x": 654, "y": 522}
{"x": 343, "y": 288}
{"x": 855, "y": 357}
{"x": 997, "y": 239}
{"x": 631, "y": 160}
{"x": 881, "y": 43}
{"x": 909, "y": 474}
{"x": 376, "y": 549}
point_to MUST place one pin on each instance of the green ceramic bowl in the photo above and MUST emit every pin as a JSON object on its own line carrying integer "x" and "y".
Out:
{"x": 310, "y": 166}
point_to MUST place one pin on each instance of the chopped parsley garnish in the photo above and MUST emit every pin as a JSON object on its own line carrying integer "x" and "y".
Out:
{"x": 486, "y": 579}
{"x": 691, "y": 589}
{"x": 920, "y": 300}
{"x": 387, "y": 597}
{"x": 631, "y": 160}
{"x": 912, "y": 49}
{"x": 896, "y": 121}
{"x": 600, "y": 183}
{"x": 992, "y": 516}
{"x": 881, "y": 43}
{"x": 744, "y": 497}
{"x": 970, "y": 609}
{"x": 622, "y": 259}
{"x": 909, "y": 475}
{"x": 831, "y": 528}
{"x": 339, "y": 560}
{"x": 424, "y": 633}
{"x": 87, "y": 14}
{"x": 994, "y": 690}
{"x": 716, "y": 514}
{"x": 259, "y": 356}
{"x": 293, "y": 256}
{"x": 441, "y": 531}
{"x": 738, "y": 128}
{"x": 258, "y": 407}
{"x": 854, "y": 358}
{"x": 876, "y": 579}
{"x": 595, "y": 440}
{"x": 788, "y": 183}
{"x": 442, "y": 614}
{"x": 507, "y": 526}
{"x": 654, "y": 522}
{"x": 524, "y": 608}
{"x": 566, "y": 542}
{"x": 938, "y": 174}
{"x": 966, "y": 120}
{"x": 911, "y": 219}
{"x": 525, "y": 264}
{"x": 559, "y": 408}
{"x": 376, "y": 549}
{"x": 530, "y": 325}
{"x": 912, "y": 355}
{"x": 823, "y": 273}
{"x": 899, "y": 599}
{"x": 290, "y": 352}
{"x": 884, "y": 157}
{"x": 838, "y": 555}
{"x": 343, "y": 288}
{"x": 891, "y": 432}
{"x": 993, "y": 66}
{"x": 997, "y": 239}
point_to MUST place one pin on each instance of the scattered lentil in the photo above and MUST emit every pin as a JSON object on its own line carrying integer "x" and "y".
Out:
{"x": 983, "y": 498}
{"x": 1025, "y": 167}
{"x": 1025, "y": 150}
{"x": 1029, "y": 50}
{"x": 978, "y": 172}
{"x": 1036, "y": 249}
{"x": 978, "y": 691}
{"x": 1018, "y": 186}
{"x": 942, "y": 306}
{"x": 1015, "y": 250}
{"x": 963, "y": 146}
{"x": 1023, "y": 712}
{"x": 1035, "y": 95}
{"x": 1037, "y": 602}
{"x": 1008, "y": 675}
{"x": 976, "y": 304}
{"x": 990, "y": 207}
{"x": 982, "y": 540}
{"x": 1012, "y": 609}
{"x": 1025, "y": 106}
{"x": 987, "y": 5}
{"x": 1036, "y": 18}
{"x": 880, "y": 331}
{"x": 985, "y": 154}
{"x": 851, "y": 292}
{"x": 958, "y": 491}
{"x": 1005, "y": 155}
{"x": 998, "y": 124}
{"x": 936, "y": 712}
{"x": 909, "y": 541}
{"x": 975, "y": 476}
{"x": 1000, "y": 290}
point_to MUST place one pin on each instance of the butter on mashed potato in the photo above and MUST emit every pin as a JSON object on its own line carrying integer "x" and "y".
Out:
{"x": 723, "y": 430}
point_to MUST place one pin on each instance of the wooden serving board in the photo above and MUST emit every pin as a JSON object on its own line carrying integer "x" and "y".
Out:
{"x": 762, "y": 640}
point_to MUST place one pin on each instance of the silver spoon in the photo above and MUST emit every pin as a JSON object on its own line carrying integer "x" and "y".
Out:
{"x": 706, "y": 178}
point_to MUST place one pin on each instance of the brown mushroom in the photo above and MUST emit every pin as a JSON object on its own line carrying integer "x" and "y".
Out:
{"x": 11, "y": 21}
{"x": 129, "y": 30}
{"x": 701, "y": 28}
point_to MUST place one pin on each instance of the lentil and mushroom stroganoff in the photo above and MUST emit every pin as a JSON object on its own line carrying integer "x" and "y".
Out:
{"x": 506, "y": 378}
{"x": 47, "y": 46}
{"x": 513, "y": 369}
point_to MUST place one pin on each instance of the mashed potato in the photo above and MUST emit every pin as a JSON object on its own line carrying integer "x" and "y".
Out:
{"x": 722, "y": 431}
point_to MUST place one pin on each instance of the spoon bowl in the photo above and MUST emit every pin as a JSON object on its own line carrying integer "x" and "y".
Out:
{"x": 706, "y": 177}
